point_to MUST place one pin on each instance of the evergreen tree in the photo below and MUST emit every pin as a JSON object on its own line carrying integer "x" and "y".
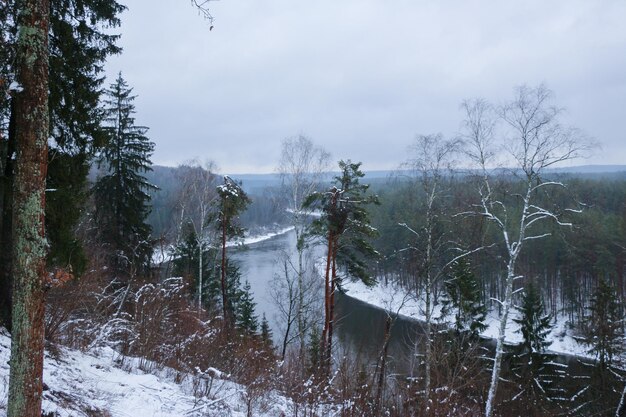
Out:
{"x": 245, "y": 318}
{"x": 604, "y": 325}
{"x": 266, "y": 332}
{"x": 121, "y": 195}
{"x": 185, "y": 263}
{"x": 29, "y": 239}
{"x": 462, "y": 296}
{"x": 232, "y": 200}
{"x": 314, "y": 350}
{"x": 346, "y": 230}
{"x": 78, "y": 46}
{"x": 536, "y": 372}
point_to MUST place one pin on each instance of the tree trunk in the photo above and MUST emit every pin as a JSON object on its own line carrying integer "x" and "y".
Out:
{"x": 200, "y": 275}
{"x": 29, "y": 242}
{"x": 331, "y": 314}
{"x": 224, "y": 296}
{"x": 7, "y": 148}
{"x": 324, "y": 341}
{"x": 621, "y": 408}
{"x": 383, "y": 363}
{"x": 497, "y": 362}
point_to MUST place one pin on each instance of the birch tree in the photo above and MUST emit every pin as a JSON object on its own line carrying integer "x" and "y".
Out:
{"x": 29, "y": 241}
{"x": 534, "y": 140}
{"x": 196, "y": 203}
{"x": 430, "y": 163}
{"x": 302, "y": 168}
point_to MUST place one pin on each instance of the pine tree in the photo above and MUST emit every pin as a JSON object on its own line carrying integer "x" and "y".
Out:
{"x": 462, "y": 296}
{"x": 346, "y": 230}
{"x": 231, "y": 202}
{"x": 121, "y": 195}
{"x": 245, "y": 318}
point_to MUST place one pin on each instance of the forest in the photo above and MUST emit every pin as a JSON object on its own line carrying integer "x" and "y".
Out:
{"x": 103, "y": 253}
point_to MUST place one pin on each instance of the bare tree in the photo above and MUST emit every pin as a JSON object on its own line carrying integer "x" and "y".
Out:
{"x": 196, "y": 203}
{"x": 296, "y": 294}
{"x": 29, "y": 241}
{"x": 430, "y": 163}
{"x": 534, "y": 140}
{"x": 302, "y": 167}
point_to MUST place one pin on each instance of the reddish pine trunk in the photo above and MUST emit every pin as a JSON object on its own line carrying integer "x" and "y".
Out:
{"x": 29, "y": 243}
{"x": 224, "y": 296}
{"x": 324, "y": 341}
{"x": 331, "y": 308}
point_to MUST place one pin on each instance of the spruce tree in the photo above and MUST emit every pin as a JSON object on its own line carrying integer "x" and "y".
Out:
{"x": 463, "y": 299}
{"x": 245, "y": 318}
{"x": 121, "y": 194}
{"x": 604, "y": 330}
{"x": 603, "y": 333}
{"x": 266, "y": 332}
{"x": 78, "y": 46}
{"x": 537, "y": 374}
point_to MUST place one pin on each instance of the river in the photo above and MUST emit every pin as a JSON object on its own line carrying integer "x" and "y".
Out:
{"x": 359, "y": 326}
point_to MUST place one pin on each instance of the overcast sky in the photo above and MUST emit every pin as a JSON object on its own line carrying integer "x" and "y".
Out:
{"x": 361, "y": 77}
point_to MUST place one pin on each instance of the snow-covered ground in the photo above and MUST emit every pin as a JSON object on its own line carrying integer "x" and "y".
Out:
{"x": 394, "y": 299}
{"x": 104, "y": 383}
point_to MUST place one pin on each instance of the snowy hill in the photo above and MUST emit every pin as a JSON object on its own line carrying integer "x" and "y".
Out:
{"x": 104, "y": 383}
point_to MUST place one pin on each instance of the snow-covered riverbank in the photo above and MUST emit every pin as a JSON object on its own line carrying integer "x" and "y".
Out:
{"x": 397, "y": 300}
{"x": 164, "y": 253}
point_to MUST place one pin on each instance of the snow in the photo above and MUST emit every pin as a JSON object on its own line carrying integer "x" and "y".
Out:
{"x": 103, "y": 382}
{"x": 163, "y": 254}
{"x": 392, "y": 298}
{"x": 15, "y": 86}
{"x": 248, "y": 240}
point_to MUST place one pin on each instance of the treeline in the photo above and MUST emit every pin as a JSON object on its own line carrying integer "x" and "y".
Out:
{"x": 566, "y": 265}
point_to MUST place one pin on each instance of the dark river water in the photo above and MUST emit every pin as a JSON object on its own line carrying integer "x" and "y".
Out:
{"x": 359, "y": 327}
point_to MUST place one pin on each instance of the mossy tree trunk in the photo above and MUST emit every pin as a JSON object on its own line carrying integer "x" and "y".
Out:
{"x": 29, "y": 242}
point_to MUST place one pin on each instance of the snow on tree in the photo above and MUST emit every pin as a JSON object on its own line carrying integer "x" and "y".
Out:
{"x": 302, "y": 168}
{"x": 121, "y": 194}
{"x": 463, "y": 299}
{"x": 245, "y": 319}
{"x": 539, "y": 377}
{"x": 344, "y": 225}
{"x": 431, "y": 158}
{"x": 29, "y": 240}
{"x": 197, "y": 205}
{"x": 231, "y": 201}
{"x": 604, "y": 326}
{"x": 534, "y": 140}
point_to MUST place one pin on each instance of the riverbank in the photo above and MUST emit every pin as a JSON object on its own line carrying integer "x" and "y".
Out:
{"x": 163, "y": 253}
{"x": 397, "y": 301}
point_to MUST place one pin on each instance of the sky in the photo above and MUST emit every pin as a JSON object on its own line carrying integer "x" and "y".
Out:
{"x": 361, "y": 78}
